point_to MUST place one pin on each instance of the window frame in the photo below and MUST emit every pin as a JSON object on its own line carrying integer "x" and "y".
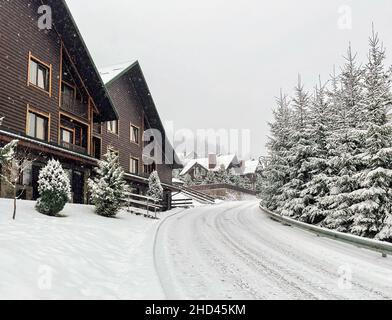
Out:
{"x": 70, "y": 86}
{"x": 117, "y": 127}
{"x": 41, "y": 114}
{"x": 130, "y": 165}
{"x": 131, "y": 127}
{"x": 72, "y": 131}
{"x": 45, "y": 65}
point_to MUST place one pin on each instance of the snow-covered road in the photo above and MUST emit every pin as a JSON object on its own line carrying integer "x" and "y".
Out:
{"x": 235, "y": 251}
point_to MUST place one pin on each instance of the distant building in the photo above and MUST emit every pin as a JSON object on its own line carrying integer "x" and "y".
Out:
{"x": 198, "y": 168}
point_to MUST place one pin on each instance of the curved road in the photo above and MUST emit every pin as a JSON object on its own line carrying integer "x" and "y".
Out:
{"x": 235, "y": 251}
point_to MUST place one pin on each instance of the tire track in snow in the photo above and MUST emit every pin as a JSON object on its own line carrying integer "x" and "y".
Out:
{"x": 233, "y": 251}
{"x": 319, "y": 269}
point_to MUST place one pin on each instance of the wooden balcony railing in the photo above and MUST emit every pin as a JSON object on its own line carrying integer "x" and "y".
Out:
{"x": 75, "y": 107}
{"x": 73, "y": 147}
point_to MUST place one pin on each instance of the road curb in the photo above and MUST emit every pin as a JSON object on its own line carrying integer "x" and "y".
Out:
{"x": 155, "y": 244}
{"x": 384, "y": 248}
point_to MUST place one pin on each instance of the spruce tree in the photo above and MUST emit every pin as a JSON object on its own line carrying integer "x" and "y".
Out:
{"x": 108, "y": 187}
{"x": 317, "y": 187}
{"x": 372, "y": 204}
{"x": 210, "y": 178}
{"x": 7, "y": 153}
{"x": 222, "y": 175}
{"x": 54, "y": 189}
{"x": 299, "y": 156}
{"x": 346, "y": 143}
{"x": 155, "y": 189}
{"x": 275, "y": 172}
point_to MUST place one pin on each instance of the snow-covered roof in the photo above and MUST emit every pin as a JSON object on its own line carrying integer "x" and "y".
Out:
{"x": 111, "y": 72}
{"x": 224, "y": 161}
{"x": 250, "y": 167}
{"x": 177, "y": 181}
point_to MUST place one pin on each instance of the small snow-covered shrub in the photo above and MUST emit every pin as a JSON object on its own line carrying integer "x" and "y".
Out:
{"x": 155, "y": 189}
{"x": 108, "y": 187}
{"x": 54, "y": 189}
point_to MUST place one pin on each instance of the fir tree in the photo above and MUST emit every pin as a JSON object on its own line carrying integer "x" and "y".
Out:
{"x": 299, "y": 156}
{"x": 7, "y": 153}
{"x": 346, "y": 144}
{"x": 54, "y": 189}
{"x": 222, "y": 176}
{"x": 210, "y": 178}
{"x": 317, "y": 188}
{"x": 275, "y": 172}
{"x": 108, "y": 187}
{"x": 155, "y": 189}
{"x": 372, "y": 204}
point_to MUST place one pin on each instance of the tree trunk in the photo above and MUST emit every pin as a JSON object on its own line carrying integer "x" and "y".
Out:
{"x": 14, "y": 216}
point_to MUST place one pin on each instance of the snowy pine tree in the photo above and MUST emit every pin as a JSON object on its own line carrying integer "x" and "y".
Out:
{"x": 210, "y": 177}
{"x": 299, "y": 156}
{"x": 54, "y": 189}
{"x": 155, "y": 189}
{"x": 317, "y": 187}
{"x": 222, "y": 176}
{"x": 275, "y": 173}
{"x": 7, "y": 153}
{"x": 346, "y": 144}
{"x": 372, "y": 201}
{"x": 108, "y": 187}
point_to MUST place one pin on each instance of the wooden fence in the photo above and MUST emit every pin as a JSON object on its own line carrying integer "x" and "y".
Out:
{"x": 144, "y": 205}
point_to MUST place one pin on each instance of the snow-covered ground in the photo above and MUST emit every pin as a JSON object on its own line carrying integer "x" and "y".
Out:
{"x": 81, "y": 256}
{"x": 234, "y": 251}
{"x": 227, "y": 251}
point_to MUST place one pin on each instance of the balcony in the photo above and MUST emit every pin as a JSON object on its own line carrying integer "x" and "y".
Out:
{"x": 75, "y": 107}
{"x": 73, "y": 147}
{"x": 97, "y": 128}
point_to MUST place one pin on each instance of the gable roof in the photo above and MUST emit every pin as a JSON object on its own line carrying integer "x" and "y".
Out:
{"x": 111, "y": 73}
{"x": 225, "y": 161}
{"x": 114, "y": 73}
{"x": 250, "y": 167}
{"x": 73, "y": 41}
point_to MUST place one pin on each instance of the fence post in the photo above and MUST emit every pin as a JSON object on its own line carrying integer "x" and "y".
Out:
{"x": 148, "y": 211}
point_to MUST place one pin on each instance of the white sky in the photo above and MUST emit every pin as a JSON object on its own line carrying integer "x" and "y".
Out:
{"x": 220, "y": 63}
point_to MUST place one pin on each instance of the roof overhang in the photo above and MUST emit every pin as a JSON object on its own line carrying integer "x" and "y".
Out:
{"x": 73, "y": 41}
{"x": 138, "y": 81}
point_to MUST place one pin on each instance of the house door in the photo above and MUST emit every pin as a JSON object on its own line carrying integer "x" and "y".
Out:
{"x": 78, "y": 187}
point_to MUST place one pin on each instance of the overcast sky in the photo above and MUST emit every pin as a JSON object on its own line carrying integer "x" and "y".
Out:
{"x": 220, "y": 63}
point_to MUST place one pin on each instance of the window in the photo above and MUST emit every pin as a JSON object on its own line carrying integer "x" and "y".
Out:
{"x": 134, "y": 166}
{"x": 113, "y": 126}
{"x": 67, "y": 94}
{"x": 149, "y": 168}
{"x": 39, "y": 74}
{"x": 38, "y": 125}
{"x": 134, "y": 134}
{"x": 67, "y": 135}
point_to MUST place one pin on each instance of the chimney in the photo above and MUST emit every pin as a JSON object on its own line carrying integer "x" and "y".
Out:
{"x": 212, "y": 161}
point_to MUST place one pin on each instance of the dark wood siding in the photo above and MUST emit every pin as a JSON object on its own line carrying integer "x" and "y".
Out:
{"x": 130, "y": 110}
{"x": 125, "y": 101}
{"x": 19, "y": 35}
